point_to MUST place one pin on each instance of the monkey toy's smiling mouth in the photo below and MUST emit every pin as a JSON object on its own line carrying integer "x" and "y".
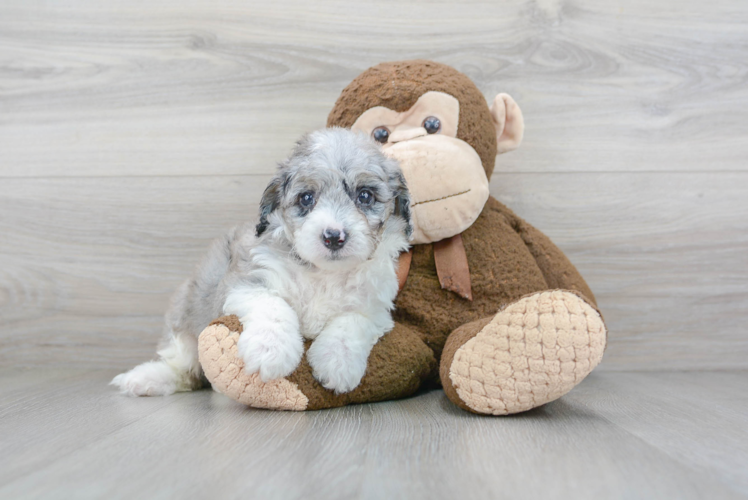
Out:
{"x": 439, "y": 199}
{"x": 447, "y": 182}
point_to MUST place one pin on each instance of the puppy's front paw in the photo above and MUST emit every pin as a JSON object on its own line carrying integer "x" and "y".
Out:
{"x": 338, "y": 365}
{"x": 266, "y": 348}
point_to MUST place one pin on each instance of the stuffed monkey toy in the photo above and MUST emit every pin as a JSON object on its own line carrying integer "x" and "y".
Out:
{"x": 489, "y": 307}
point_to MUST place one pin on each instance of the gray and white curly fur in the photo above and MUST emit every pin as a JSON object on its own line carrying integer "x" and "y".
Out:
{"x": 320, "y": 265}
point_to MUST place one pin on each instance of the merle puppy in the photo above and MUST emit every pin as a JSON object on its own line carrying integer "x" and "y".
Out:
{"x": 320, "y": 265}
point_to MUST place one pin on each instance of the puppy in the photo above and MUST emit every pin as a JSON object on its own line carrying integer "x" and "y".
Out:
{"x": 319, "y": 265}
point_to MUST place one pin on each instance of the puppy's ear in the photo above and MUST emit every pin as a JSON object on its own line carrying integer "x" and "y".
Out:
{"x": 271, "y": 199}
{"x": 402, "y": 201}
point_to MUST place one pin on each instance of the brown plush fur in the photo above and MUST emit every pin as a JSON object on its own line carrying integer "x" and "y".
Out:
{"x": 502, "y": 270}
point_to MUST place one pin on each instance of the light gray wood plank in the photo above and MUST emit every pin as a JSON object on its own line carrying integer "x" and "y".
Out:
{"x": 698, "y": 419}
{"x": 134, "y": 88}
{"x": 87, "y": 265}
{"x": 203, "y": 444}
{"x": 45, "y": 422}
{"x": 18, "y": 381}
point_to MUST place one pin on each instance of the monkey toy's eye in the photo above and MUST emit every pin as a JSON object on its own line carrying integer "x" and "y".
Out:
{"x": 381, "y": 134}
{"x": 432, "y": 125}
{"x": 365, "y": 197}
{"x": 306, "y": 200}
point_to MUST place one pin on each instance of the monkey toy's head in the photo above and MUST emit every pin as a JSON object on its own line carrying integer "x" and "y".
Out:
{"x": 436, "y": 122}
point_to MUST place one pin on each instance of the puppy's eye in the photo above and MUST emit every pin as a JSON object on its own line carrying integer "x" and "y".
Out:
{"x": 432, "y": 125}
{"x": 381, "y": 134}
{"x": 365, "y": 197}
{"x": 306, "y": 200}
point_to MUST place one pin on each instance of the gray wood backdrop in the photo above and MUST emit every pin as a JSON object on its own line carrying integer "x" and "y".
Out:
{"x": 133, "y": 132}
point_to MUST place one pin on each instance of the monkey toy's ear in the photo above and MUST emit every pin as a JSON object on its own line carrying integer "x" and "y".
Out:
{"x": 510, "y": 126}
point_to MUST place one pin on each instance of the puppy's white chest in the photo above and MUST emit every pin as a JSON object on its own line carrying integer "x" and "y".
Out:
{"x": 320, "y": 298}
{"x": 315, "y": 317}
{"x": 319, "y": 304}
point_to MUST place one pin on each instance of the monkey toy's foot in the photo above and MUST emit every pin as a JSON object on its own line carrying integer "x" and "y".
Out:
{"x": 397, "y": 366}
{"x": 531, "y": 352}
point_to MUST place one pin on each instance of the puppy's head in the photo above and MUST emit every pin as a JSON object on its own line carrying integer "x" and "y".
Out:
{"x": 335, "y": 198}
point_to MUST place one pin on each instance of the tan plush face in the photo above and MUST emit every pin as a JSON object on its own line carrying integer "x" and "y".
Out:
{"x": 445, "y": 175}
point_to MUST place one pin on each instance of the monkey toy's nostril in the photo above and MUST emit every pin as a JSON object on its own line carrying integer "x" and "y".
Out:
{"x": 333, "y": 239}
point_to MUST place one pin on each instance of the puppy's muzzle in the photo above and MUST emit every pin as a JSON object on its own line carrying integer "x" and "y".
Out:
{"x": 333, "y": 239}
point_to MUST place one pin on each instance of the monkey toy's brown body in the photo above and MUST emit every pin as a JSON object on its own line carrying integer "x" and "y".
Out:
{"x": 489, "y": 306}
{"x": 509, "y": 261}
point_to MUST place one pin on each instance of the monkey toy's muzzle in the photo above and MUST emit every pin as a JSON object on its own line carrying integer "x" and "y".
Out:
{"x": 448, "y": 186}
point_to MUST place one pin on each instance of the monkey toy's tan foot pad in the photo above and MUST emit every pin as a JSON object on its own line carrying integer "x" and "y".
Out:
{"x": 397, "y": 366}
{"x": 224, "y": 368}
{"x": 533, "y": 351}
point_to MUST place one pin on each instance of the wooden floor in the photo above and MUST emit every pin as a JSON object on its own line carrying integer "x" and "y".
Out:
{"x": 66, "y": 434}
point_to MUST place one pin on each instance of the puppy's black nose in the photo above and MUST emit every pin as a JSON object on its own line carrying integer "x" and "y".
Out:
{"x": 333, "y": 239}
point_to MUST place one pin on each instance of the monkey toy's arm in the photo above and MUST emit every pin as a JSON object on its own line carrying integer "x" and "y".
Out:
{"x": 398, "y": 365}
